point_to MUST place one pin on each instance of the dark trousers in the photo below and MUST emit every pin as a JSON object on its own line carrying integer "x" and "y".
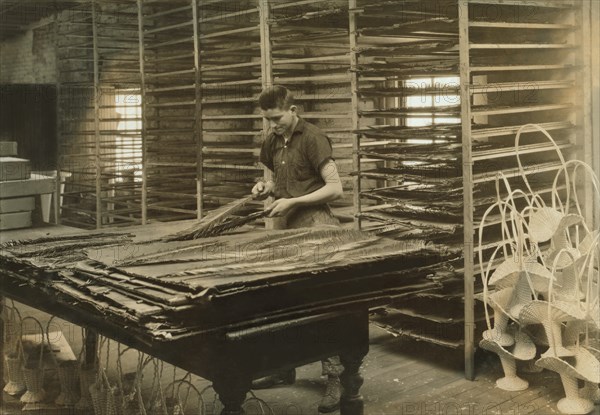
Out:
{"x": 308, "y": 217}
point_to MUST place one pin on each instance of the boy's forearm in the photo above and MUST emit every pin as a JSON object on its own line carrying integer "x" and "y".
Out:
{"x": 327, "y": 193}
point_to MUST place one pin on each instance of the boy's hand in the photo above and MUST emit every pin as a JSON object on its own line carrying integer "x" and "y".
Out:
{"x": 280, "y": 207}
{"x": 262, "y": 190}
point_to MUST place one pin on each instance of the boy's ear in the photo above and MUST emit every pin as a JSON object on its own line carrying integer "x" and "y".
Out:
{"x": 293, "y": 108}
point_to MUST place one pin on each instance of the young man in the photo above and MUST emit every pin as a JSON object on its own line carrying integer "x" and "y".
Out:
{"x": 305, "y": 179}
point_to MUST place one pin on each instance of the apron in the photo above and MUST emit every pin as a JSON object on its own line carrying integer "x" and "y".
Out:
{"x": 307, "y": 217}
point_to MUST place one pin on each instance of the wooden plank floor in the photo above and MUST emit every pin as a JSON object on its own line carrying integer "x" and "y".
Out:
{"x": 402, "y": 377}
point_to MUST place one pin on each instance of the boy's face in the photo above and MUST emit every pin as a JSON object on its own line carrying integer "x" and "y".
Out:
{"x": 280, "y": 121}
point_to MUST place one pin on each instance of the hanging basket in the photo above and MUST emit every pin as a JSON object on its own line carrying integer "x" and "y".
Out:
{"x": 14, "y": 371}
{"x": 176, "y": 405}
{"x": 99, "y": 393}
{"x": 15, "y": 384}
{"x": 33, "y": 372}
{"x": 113, "y": 401}
{"x": 69, "y": 383}
{"x": 87, "y": 377}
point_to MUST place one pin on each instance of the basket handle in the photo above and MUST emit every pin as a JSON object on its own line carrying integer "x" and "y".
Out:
{"x": 49, "y": 344}
{"x": 11, "y": 317}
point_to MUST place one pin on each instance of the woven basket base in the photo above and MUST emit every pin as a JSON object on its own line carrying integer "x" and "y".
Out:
{"x": 33, "y": 397}
{"x": 34, "y": 406}
{"x": 575, "y": 406}
{"x": 512, "y": 384}
{"x": 14, "y": 388}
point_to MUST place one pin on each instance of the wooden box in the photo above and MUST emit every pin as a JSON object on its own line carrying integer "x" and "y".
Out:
{"x": 17, "y": 204}
{"x": 15, "y": 220}
{"x": 8, "y": 148}
{"x": 13, "y": 168}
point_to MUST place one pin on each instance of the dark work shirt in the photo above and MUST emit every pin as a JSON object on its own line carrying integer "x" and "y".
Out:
{"x": 296, "y": 165}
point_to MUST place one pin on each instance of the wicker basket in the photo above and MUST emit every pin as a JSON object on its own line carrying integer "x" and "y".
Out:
{"x": 583, "y": 365}
{"x": 523, "y": 349}
{"x": 69, "y": 383}
{"x": 87, "y": 377}
{"x": 13, "y": 358}
{"x": 551, "y": 315}
{"x": 14, "y": 371}
{"x": 99, "y": 393}
{"x": 33, "y": 372}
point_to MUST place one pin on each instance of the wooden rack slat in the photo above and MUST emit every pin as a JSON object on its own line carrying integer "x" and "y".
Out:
{"x": 521, "y": 25}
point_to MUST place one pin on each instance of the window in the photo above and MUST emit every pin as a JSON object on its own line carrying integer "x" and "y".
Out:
{"x": 128, "y": 152}
{"x": 434, "y": 93}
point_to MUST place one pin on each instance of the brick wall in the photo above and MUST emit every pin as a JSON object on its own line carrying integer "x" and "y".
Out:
{"x": 29, "y": 58}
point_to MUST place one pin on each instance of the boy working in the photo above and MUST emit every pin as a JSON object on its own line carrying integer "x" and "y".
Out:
{"x": 305, "y": 179}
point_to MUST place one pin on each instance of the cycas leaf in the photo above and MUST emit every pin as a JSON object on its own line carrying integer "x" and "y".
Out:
{"x": 209, "y": 225}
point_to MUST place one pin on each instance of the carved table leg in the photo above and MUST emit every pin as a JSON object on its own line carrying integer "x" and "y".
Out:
{"x": 351, "y": 402}
{"x": 2, "y": 328}
{"x": 232, "y": 394}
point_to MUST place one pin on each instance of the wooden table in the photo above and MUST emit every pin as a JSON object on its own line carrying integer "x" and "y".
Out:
{"x": 232, "y": 359}
{"x": 230, "y": 356}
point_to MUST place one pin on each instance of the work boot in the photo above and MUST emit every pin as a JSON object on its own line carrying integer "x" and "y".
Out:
{"x": 286, "y": 377}
{"x": 331, "y": 399}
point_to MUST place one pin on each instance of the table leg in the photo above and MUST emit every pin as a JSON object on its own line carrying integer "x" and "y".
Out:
{"x": 351, "y": 402}
{"x": 91, "y": 346}
{"x": 2, "y": 328}
{"x": 232, "y": 393}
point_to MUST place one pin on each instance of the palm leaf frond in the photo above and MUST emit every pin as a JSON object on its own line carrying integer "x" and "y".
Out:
{"x": 217, "y": 221}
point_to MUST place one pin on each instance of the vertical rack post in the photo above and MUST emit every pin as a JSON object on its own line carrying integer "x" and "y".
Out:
{"x": 585, "y": 115}
{"x": 467, "y": 171}
{"x": 98, "y": 167}
{"x": 58, "y": 122}
{"x": 595, "y": 86}
{"x": 144, "y": 122}
{"x": 266, "y": 70}
{"x": 352, "y": 4}
{"x": 198, "y": 118}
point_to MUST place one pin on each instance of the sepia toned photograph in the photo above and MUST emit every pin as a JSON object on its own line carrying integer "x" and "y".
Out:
{"x": 299, "y": 207}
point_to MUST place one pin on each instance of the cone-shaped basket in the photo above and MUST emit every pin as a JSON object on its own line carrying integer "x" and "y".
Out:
{"x": 14, "y": 372}
{"x": 537, "y": 312}
{"x": 499, "y": 333}
{"x": 559, "y": 239}
{"x": 13, "y": 357}
{"x": 583, "y": 365}
{"x": 522, "y": 296}
{"x": 523, "y": 349}
{"x": 33, "y": 372}
{"x": 544, "y": 223}
{"x": 509, "y": 273}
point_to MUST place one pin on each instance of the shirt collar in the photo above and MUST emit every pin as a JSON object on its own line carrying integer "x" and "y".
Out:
{"x": 298, "y": 129}
{"x": 299, "y": 126}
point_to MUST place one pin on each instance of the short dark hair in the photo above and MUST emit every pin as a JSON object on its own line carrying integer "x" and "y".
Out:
{"x": 276, "y": 97}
